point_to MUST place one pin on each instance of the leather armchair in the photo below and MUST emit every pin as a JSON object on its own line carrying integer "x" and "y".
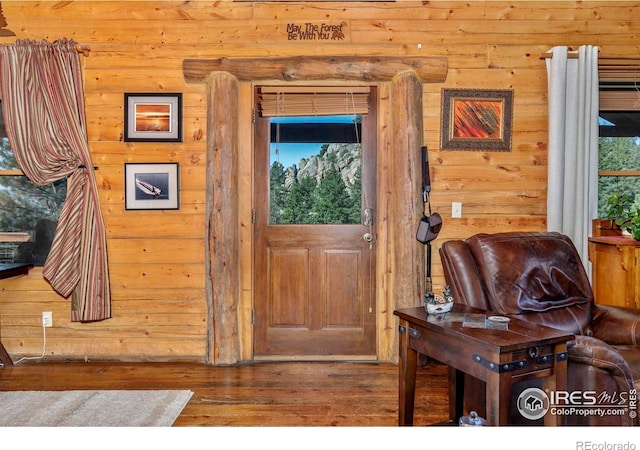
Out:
{"x": 538, "y": 276}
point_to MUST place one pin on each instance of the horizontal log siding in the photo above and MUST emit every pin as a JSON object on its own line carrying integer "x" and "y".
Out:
{"x": 157, "y": 257}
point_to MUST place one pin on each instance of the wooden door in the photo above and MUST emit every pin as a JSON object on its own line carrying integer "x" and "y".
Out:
{"x": 314, "y": 282}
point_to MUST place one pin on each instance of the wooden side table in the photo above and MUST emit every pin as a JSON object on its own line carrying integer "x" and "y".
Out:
{"x": 498, "y": 357}
{"x": 8, "y": 271}
{"x": 615, "y": 265}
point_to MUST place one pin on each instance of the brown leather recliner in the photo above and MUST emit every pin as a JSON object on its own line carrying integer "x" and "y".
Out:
{"x": 538, "y": 276}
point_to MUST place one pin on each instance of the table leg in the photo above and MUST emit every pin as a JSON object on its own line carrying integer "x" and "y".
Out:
{"x": 407, "y": 377}
{"x": 556, "y": 382}
{"x": 456, "y": 394}
{"x": 498, "y": 396}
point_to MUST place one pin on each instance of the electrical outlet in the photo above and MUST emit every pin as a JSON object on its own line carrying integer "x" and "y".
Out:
{"x": 47, "y": 319}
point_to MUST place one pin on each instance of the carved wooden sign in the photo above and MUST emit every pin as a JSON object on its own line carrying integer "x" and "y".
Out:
{"x": 313, "y": 31}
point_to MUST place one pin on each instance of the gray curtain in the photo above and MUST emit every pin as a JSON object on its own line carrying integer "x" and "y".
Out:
{"x": 572, "y": 194}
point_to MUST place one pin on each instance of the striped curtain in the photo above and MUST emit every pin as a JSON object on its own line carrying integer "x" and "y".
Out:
{"x": 43, "y": 106}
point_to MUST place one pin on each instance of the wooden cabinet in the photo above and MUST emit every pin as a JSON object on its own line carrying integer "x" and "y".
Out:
{"x": 615, "y": 275}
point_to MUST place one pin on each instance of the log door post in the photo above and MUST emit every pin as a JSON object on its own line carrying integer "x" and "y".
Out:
{"x": 407, "y": 205}
{"x": 221, "y": 257}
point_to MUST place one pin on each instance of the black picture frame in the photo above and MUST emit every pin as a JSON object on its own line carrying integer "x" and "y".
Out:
{"x": 153, "y": 117}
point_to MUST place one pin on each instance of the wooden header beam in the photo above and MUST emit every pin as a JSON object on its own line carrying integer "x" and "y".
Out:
{"x": 308, "y": 68}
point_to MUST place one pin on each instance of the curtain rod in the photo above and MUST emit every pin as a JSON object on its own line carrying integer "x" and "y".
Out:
{"x": 550, "y": 55}
{"x": 600, "y": 58}
{"x": 85, "y": 50}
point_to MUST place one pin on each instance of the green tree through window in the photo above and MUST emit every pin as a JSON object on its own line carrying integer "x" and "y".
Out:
{"x": 332, "y": 204}
{"x": 28, "y": 212}
{"x": 298, "y": 204}
{"x": 618, "y": 154}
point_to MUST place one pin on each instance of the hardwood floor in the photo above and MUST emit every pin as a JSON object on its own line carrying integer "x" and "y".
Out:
{"x": 259, "y": 394}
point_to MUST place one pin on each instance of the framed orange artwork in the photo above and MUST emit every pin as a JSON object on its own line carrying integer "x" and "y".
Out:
{"x": 475, "y": 119}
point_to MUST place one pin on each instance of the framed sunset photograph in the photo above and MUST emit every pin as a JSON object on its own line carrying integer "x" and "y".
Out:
{"x": 153, "y": 117}
{"x": 475, "y": 119}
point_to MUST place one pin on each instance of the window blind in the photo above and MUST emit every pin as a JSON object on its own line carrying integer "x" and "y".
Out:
{"x": 619, "y": 79}
{"x": 620, "y": 100}
{"x": 618, "y": 69}
{"x": 282, "y": 101}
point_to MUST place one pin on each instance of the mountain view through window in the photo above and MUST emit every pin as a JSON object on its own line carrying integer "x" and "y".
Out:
{"x": 315, "y": 177}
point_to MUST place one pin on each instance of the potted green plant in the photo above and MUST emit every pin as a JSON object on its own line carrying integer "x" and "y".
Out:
{"x": 622, "y": 210}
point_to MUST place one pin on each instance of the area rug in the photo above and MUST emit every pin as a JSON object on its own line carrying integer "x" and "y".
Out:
{"x": 142, "y": 408}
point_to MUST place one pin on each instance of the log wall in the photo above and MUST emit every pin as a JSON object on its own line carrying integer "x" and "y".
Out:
{"x": 157, "y": 258}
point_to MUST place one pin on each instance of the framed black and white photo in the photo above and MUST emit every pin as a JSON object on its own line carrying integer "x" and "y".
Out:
{"x": 151, "y": 186}
{"x": 153, "y": 117}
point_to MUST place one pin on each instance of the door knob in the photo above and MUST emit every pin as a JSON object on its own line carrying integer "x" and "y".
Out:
{"x": 367, "y": 237}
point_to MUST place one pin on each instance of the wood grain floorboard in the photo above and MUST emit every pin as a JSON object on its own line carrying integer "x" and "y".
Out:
{"x": 345, "y": 394}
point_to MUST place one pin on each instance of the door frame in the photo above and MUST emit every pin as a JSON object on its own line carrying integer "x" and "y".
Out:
{"x": 369, "y": 153}
{"x": 400, "y": 274}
